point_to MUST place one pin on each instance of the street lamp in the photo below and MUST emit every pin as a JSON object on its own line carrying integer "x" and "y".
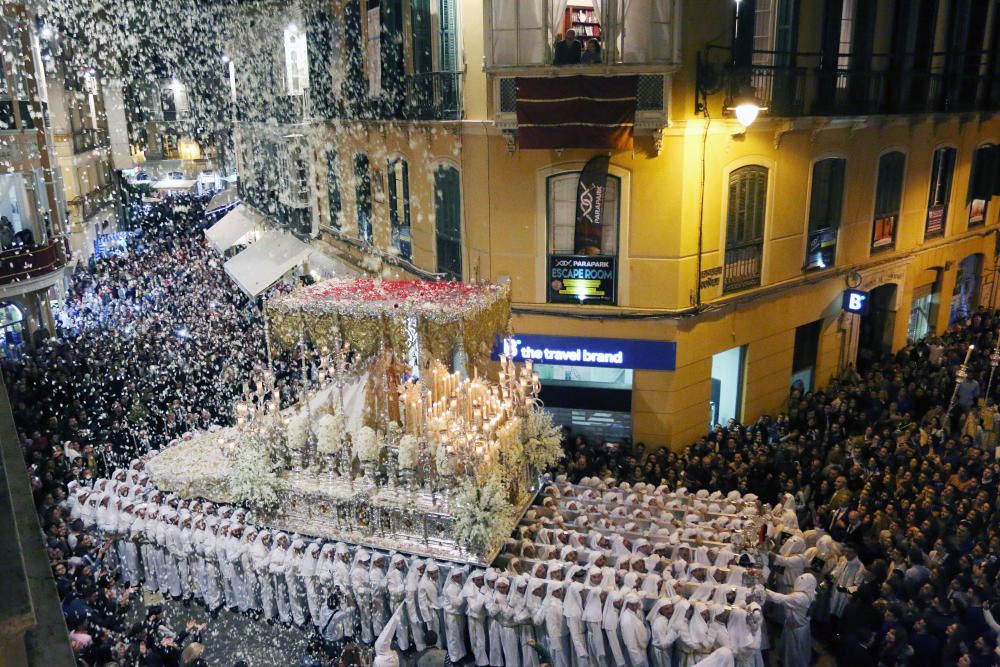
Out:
{"x": 741, "y": 98}
{"x": 746, "y": 106}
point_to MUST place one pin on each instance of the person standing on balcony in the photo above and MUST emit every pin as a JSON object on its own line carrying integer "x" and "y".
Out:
{"x": 591, "y": 53}
{"x": 568, "y": 50}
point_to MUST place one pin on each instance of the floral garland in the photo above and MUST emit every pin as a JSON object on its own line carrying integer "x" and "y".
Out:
{"x": 543, "y": 446}
{"x": 330, "y": 433}
{"x": 483, "y": 515}
{"x": 251, "y": 479}
{"x": 366, "y": 444}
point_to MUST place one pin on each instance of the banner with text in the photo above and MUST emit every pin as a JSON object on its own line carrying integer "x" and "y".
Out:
{"x": 582, "y": 279}
{"x": 654, "y": 355}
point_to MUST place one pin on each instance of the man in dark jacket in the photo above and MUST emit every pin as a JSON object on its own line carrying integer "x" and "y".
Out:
{"x": 568, "y": 50}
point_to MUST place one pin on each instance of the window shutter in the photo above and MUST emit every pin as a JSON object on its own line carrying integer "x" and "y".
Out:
{"x": 747, "y": 202}
{"x": 983, "y": 174}
{"x": 449, "y": 46}
{"x": 995, "y": 190}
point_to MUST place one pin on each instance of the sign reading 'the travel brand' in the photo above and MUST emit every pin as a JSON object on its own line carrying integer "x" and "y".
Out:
{"x": 655, "y": 355}
{"x": 582, "y": 279}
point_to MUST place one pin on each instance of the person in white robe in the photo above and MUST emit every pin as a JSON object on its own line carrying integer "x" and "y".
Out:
{"x": 474, "y": 593}
{"x": 492, "y": 628}
{"x": 221, "y": 538}
{"x": 128, "y": 543}
{"x": 847, "y": 575}
{"x": 212, "y": 595}
{"x": 260, "y": 558}
{"x": 362, "y": 591}
{"x": 662, "y": 634}
{"x": 573, "y": 611}
{"x": 795, "y": 644}
{"x": 296, "y": 583}
{"x": 634, "y": 633}
{"x": 384, "y": 655}
{"x": 791, "y": 562}
{"x": 453, "y": 606}
{"x": 337, "y": 617}
{"x": 429, "y": 600}
{"x": 695, "y": 643}
{"x": 277, "y": 565}
{"x": 519, "y": 602}
{"x": 197, "y": 559}
{"x": 718, "y": 622}
{"x": 185, "y": 555}
{"x": 609, "y": 623}
{"x": 248, "y": 572}
{"x": 502, "y": 618}
{"x": 378, "y": 583}
{"x": 413, "y": 577}
{"x": 307, "y": 570}
{"x": 550, "y": 617}
{"x": 234, "y": 566}
{"x": 172, "y": 551}
{"x": 593, "y": 615}
{"x": 741, "y": 639}
{"x": 396, "y": 588}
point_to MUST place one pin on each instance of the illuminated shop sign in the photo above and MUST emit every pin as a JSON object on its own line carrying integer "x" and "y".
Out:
{"x": 856, "y": 301}
{"x": 654, "y": 355}
{"x": 582, "y": 279}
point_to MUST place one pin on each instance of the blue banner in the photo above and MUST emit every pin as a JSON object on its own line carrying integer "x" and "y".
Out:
{"x": 652, "y": 355}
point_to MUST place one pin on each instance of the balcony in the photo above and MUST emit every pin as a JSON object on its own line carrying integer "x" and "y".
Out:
{"x": 811, "y": 84}
{"x": 21, "y": 264}
{"x": 743, "y": 267}
{"x": 434, "y": 96}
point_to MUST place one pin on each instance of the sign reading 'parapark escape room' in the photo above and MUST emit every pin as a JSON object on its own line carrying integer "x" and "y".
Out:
{"x": 582, "y": 279}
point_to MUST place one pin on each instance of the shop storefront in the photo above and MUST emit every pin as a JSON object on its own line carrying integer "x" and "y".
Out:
{"x": 11, "y": 328}
{"x": 587, "y": 382}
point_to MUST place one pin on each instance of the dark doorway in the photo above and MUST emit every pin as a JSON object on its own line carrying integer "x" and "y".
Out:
{"x": 965, "y": 296}
{"x": 804, "y": 354}
{"x": 875, "y": 332}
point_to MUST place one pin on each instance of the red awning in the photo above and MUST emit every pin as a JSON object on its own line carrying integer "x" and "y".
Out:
{"x": 576, "y": 111}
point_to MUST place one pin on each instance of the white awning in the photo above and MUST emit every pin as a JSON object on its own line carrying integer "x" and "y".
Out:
{"x": 323, "y": 266}
{"x": 266, "y": 261}
{"x": 222, "y": 199}
{"x": 233, "y": 228}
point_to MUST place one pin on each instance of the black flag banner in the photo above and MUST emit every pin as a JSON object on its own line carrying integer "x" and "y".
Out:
{"x": 590, "y": 206}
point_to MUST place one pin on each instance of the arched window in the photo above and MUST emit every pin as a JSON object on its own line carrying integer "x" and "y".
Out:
{"x": 448, "y": 221}
{"x": 888, "y": 200}
{"x": 745, "y": 216}
{"x": 296, "y": 60}
{"x": 333, "y": 187}
{"x": 942, "y": 171}
{"x": 399, "y": 206}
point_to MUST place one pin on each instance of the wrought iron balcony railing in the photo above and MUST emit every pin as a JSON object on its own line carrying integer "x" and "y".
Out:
{"x": 742, "y": 269}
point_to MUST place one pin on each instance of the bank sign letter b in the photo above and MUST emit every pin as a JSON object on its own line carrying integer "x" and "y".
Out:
{"x": 856, "y": 301}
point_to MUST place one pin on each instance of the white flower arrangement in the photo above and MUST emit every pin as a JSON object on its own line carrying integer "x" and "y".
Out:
{"x": 366, "y": 445}
{"x": 409, "y": 449}
{"x": 330, "y": 433}
{"x": 484, "y": 517}
{"x": 297, "y": 431}
{"x": 251, "y": 480}
{"x": 543, "y": 446}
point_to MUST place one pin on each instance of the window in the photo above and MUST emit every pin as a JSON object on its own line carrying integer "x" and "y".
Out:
{"x": 399, "y": 207}
{"x": 981, "y": 183}
{"x": 174, "y": 101}
{"x": 562, "y": 214}
{"x": 942, "y": 170}
{"x": 423, "y": 50}
{"x": 11, "y": 326}
{"x": 447, "y": 36}
{"x": 637, "y": 31}
{"x": 448, "y": 221}
{"x": 888, "y": 199}
{"x": 363, "y": 196}
{"x": 745, "y": 216}
{"x": 333, "y": 187}
{"x": 921, "y": 313}
{"x": 296, "y": 60}
{"x": 825, "y": 205}
{"x": 846, "y": 34}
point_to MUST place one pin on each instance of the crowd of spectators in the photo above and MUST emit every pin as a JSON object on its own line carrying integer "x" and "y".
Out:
{"x": 156, "y": 342}
{"x": 876, "y": 461}
{"x": 151, "y": 343}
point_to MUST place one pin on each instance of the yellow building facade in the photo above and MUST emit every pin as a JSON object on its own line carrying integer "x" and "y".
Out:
{"x": 677, "y": 190}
